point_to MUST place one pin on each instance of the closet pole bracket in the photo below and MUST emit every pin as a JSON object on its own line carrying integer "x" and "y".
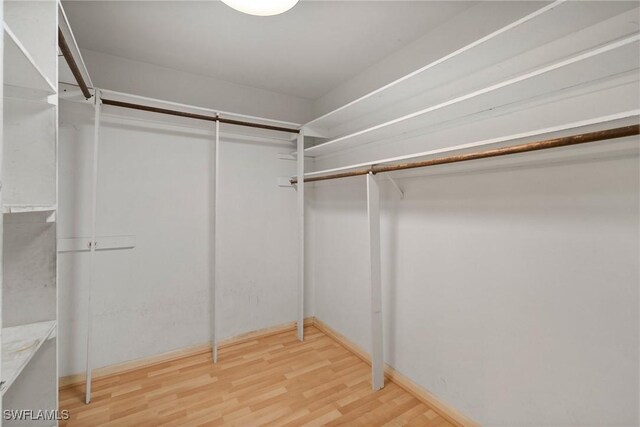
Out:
{"x": 395, "y": 185}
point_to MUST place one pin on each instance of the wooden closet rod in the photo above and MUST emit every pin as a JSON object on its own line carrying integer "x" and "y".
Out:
{"x": 504, "y": 151}
{"x": 66, "y": 52}
{"x": 195, "y": 116}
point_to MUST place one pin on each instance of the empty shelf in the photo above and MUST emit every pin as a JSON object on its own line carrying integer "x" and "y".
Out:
{"x": 598, "y": 123}
{"x": 23, "y": 78}
{"x": 19, "y": 345}
{"x": 604, "y": 62}
{"x": 11, "y": 209}
{"x": 552, "y": 34}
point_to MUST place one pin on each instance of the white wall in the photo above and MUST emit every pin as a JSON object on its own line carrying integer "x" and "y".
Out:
{"x": 153, "y": 183}
{"x": 510, "y": 293}
{"x": 257, "y": 239}
{"x": 124, "y": 75}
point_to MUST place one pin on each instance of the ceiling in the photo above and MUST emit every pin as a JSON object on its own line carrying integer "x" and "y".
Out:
{"x": 305, "y": 52}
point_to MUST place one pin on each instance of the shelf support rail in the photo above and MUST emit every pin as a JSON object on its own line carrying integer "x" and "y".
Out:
{"x": 92, "y": 243}
{"x": 214, "y": 173}
{"x": 395, "y": 185}
{"x": 300, "y": 190}
{"x": 377, "y": 355}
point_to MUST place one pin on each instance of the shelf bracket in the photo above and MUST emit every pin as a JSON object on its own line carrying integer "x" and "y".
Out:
{"x": 395, "y": 185}
{"x": 285, "y": 156}
{"x": 51, "y": 217}
{"x": 284, "y": 181}
{"x": 52, "y": 100}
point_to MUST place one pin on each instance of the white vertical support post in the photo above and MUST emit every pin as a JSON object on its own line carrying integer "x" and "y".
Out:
{"x": 300, "y": 188}
{"x": 92, "y": 243}
{"x": 1, "y": 183}
{"x": 214, "y": 174}
{"x": 377, "y": 357}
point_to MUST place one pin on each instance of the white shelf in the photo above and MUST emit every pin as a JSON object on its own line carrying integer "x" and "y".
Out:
{"x": 549, "y": 35}
{"x": 13, "y": 209}
{"x": 607, "y": 61}
{"x": 49, "y": 212}
{"x": 615, "y": 120}
{"x": 22, "y": 76}
{"x": 19, "y": 345}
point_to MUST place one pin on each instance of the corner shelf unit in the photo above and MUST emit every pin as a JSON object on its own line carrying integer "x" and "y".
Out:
{"x": 19, "y": 346}
{"x": 562, "y": 46}
{"x": 28, "y": 202}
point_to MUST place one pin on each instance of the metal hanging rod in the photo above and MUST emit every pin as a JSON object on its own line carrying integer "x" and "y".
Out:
{"x": 158, "y": 110}
{"x": 68, "y": 56}
{"x": 582, "y": 138}
{"x": 196, "y": 116}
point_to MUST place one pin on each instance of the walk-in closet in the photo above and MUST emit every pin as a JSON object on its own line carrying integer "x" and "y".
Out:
{"x": 310, "y": 213}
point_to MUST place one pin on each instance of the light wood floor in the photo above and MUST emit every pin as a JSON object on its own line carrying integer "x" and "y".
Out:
{"x": 271, "y": 381}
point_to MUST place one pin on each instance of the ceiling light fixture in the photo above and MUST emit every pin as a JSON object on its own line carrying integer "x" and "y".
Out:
{"x": 261, "y": 7}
